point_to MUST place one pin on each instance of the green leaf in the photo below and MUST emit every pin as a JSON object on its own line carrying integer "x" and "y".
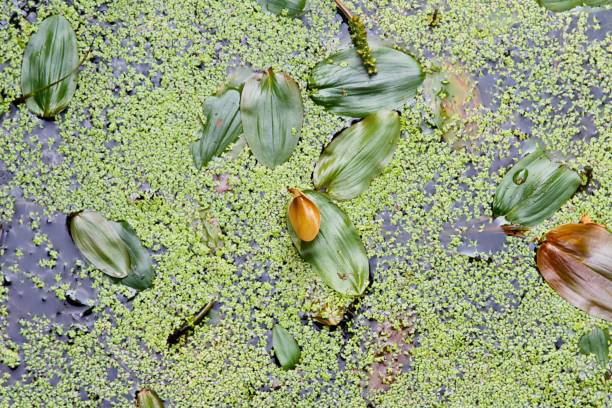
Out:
{"x": 51, "y": 57}
{"x": 357, "y": 155}
{"x": 534, "y": 189}
{"x": 112, "y": 247}
{"x": 147, "y": 398}
{"x": 272, "y": 116}
{"x": 341, "y": 83}
{"x": 289, "y": 8}
{"x": 222, "y": 127}
{"x": 285, "y": 347}
{"x": 596, "y": 342}
{"x": 564, "y": 5}
{"x": 337, "y": 254}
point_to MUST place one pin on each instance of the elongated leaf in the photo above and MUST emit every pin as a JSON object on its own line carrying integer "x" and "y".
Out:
{"x": 341, "y": 83}
{"x": 575, "y": 261}
{"x": 285, "y": 347}
{"x": 112, "y": 247}
{"x": 564, "y": 5}
{"x": 272, "y": 116}
{"x": 357, "y": 155}
{"x": 534, "y": 189}
{"x": 292, "y": 8}
{"x": 221, "y": 128}
{"x": 51, "y": 57}
{"x": 596, "y": 342}
{"x": 337, "y": 254}
{"x": 147, "y": 398}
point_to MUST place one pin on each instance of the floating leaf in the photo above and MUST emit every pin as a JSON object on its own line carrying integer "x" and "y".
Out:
{"x": 534, "y": 189}
{"x": 146, "y": 398}
{"x": 112, "y": 247}
{"x": 190, "y": 323}
{"x": 337, "y": 254}
{"x": 304, "y": 216}
{"x": 341, "y": 83}
{"x": 272, "y": 116}
{"x": 50, "y": 67}
{"x": 596, "y": 342}
{"x": 357, "y": 155}
{"x": 564, "y": 5}
{"x": 289, "y": 8}
{"x": 285, "y": 347}
{"x": 222, "y": 127}
{"x": 576, "y": 261}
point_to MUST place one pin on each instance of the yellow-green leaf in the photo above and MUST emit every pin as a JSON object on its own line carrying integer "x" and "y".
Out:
{"x": 289, "y": 8}
{"x": 596, "y": 342}
{"x": 563, "y": 5}
{"x": 147, "y": 398}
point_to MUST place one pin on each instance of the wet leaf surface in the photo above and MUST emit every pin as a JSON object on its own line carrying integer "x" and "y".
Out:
{"x": 596, "y": 342}
{"x": 564, "y": 5}
{"x": 286, "y": 349}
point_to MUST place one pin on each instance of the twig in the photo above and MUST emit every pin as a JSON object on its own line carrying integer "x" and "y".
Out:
{"x": 190, "y": 323}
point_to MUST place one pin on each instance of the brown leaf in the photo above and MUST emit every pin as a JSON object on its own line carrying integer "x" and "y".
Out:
{"x": 576, "y": 261}
{"x": 304, "y": 216}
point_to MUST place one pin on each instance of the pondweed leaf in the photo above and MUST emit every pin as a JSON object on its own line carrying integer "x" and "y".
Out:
{"x": 576, "y": 261}
{"x": 272, "y": 116}
{"x": 112, "y": 247}
{"x": 222, "y": 126}
{"x": 289, "y": 8}
{"x": 564, "y": 5}
{"x": 285, "y": 347}
{"x": 337, "y": 254}
{"x": 50, "y": 67}
{"x": 147, "y": 398}
{"x": 304, "y": 216}
{"x": 357, "y": 155}
{"x": 341, "y": 84}
{"x": 596, "y": 342}
{"x": 533, "y": 189}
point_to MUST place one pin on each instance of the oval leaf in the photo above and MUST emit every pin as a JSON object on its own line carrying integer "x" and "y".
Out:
{"x": 112, "y": 247}
{"x": 285, "y": 347}
{"x": 49, "y": 69}
{"x": 596, "y": 342}
{"x": 272, "y": 116}
{"x": 222, "y": 127}
{"x": 304, "y": 216}
{"x": 575, "y": 261}
{"x": 563, "y": 5}
{"x": 290, "y": 8}
{"x": 337, "y": 254}
{"x": 147, "y": 398}
{"x": 534, "y": 189}
{"x": 341, "y": 83}
{"x": 357, "y": 155}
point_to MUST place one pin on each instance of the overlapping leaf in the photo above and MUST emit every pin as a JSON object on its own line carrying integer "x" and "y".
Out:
{"x": 272, "y": 116}
{"x": 576, "y": 261}
{"x": 596, "y": 342}
{"x": 285, "y": 347}
{"x": 357, "y": 155}
{"x": 292, "y": 8}
{"x": 534, "y": 189}
{"x": 564, "y": 5}
{"x": 222, "y": 126}
{"x": 49, "y": 69}
{"x": 337, "y": 254}
{"x": 341, "y": 83}
{"x": 112, "y": 247}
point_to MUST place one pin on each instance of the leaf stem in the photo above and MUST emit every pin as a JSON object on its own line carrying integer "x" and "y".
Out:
{"x": 191, "y": 322}
{"x": 344, "y": 10}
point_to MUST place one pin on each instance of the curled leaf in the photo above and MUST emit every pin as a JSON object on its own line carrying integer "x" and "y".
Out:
{"x": 576, "y": 261}
{"x": 272, "y": 116}
{"x": 112, "y": 247}
{"x": 337, "y": 254}
{"x": 289, "y": 8}
{"x": 357, "y": 155}
{"x": 341, "y": 84}
{"x": 596, "y": 342}
{"x": 534, "y": 189}
{"x": 304, "y": 216}
{"x": 564, "y": 5}
{"x": 285, "y": 347}
{"x": 50, "y": 67}
{"x": 147, "y": 398}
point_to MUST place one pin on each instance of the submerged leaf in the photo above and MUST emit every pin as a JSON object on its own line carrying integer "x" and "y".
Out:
{"x": 576, "y": 261}
{"x": 596, "y": 342}
{"x": 341, "y": 84}
{"x": 564, "y": 5}
{"x": 304, "y": 216}
{"x": 112, "y": 247}
{"x": 290, "y": 8}
{"x": 49, "y": 69}
{"x": 285, "y": 347}
{"x": 534, "y": 189}
{"x": 222, "y": 127}
{"x": 337, "y": 254}
{"x": 357, "y": 155}
{"x": 146, "y": 398}
{"x": 272, "y": 116}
